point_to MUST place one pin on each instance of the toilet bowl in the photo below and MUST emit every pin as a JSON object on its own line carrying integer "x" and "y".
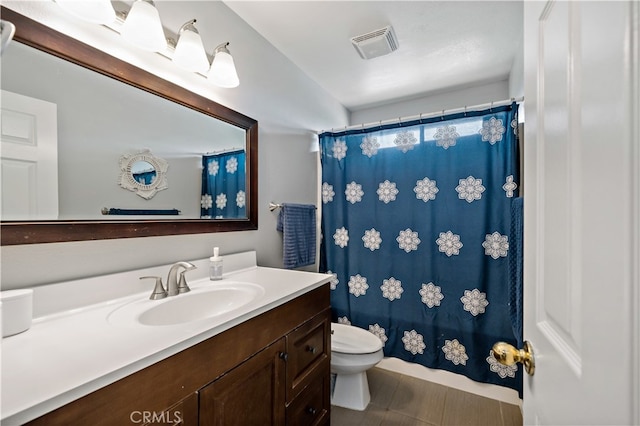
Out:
{"x": 353, "y": 352}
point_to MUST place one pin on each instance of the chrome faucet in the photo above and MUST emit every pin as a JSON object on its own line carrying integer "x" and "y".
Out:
{"x": 173, "y": 286}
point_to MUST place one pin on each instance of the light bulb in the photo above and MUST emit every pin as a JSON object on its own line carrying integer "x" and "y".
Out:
{"x": 143, "y": 28}
{"x": 189, "y": 52}
{"x": 223, "y": 70}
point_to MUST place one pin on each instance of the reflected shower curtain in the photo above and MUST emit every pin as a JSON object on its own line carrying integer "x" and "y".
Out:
{"x": 223, "y": 186}
{"x": 416, "y": 223}
{"x": 145, "y": 177}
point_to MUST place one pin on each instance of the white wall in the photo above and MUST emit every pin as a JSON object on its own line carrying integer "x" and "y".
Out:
{"x": 516, "y": 77}
{"x": 469, "y": 96}
{"x": 286, "y": 103}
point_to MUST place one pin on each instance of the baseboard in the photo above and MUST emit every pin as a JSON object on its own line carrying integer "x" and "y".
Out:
{"x": 452, "y": 380}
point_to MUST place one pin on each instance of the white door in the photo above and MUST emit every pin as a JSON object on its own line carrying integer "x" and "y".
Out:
{"x": 28, "y": 158}
{"x": 582, "y": 159}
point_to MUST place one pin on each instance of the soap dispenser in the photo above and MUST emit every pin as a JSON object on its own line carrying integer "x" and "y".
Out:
{"x": 215, "y": 265}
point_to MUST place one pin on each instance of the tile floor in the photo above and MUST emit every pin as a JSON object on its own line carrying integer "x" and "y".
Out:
{"x": 399, "y": 400}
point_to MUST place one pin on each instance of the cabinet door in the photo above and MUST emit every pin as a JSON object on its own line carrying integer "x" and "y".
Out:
{"x": 251, "y": 394}
{"x": 184, "y": 413}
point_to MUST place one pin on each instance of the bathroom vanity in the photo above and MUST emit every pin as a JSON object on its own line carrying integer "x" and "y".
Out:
{"x": 264, "y": 363}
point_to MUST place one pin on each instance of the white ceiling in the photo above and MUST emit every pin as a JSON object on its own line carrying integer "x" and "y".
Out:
{"x": 443, "y": 45}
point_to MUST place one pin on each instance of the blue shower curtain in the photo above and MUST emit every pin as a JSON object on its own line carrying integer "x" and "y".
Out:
{"x": 223, "y": 186}
{"x": 416, "y": 231}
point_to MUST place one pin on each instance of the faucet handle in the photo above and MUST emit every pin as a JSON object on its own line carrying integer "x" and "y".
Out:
{"x": 182, "y": 284}
{"x": 158, "y": 291}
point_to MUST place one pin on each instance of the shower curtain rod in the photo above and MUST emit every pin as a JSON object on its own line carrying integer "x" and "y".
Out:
{"x": 428, "y": 115}
{"x": 222, "y": 151}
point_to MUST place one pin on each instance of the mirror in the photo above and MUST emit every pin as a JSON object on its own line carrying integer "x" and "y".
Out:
{"x": 97, "y": 117}
{"x": 143, "y": 173}
{"x": 185, "y": 109}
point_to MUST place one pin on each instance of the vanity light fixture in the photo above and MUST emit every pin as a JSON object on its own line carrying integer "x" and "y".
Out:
{"x": 189, "y": 52}
{"x": 223, "y": 70}
{"x": 7, "y": 31}
{"x": 142, "y": 27}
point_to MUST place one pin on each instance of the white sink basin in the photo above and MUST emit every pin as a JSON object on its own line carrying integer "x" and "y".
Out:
{"x": 200, "y": 303}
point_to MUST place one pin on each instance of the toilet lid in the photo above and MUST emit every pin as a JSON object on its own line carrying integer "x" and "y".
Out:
{"x": 348, "y": 339}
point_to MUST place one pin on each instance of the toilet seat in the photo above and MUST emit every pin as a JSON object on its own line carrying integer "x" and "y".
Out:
{"x": 348, "y": 339}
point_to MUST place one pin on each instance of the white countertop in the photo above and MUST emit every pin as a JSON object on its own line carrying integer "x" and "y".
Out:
{"x": 68, "y": 354}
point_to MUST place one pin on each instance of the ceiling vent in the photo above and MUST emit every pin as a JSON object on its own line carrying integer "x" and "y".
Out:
{"x": 376, "y": 43}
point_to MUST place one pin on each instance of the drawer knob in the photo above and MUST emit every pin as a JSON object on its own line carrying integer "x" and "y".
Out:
{"x": 312, "y": 411}
{"x": 284, "y": 356}
{"x": 312, "y": 349}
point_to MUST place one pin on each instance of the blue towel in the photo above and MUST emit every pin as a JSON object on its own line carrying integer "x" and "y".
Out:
{"x": 515, "y": 268}
{"x": 297, "y": 222}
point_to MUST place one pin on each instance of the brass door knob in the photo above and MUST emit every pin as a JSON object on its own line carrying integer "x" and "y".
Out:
{"x": 508, "y": 355}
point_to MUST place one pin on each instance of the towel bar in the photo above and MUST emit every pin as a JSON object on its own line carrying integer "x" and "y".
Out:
{"x": 114, "y": 211}
{"x": 273, "y": 206}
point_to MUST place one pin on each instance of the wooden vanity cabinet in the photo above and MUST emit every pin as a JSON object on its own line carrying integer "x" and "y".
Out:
{"x": 251, "y": 394}
{"x": 308, "y": 372}
{"x": 286, "y": 383}
{"x": 311, "y": 406}
{"x": 273, "y": 369}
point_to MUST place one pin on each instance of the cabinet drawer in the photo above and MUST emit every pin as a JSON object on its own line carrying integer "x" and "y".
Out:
{"x": 308, "y": 347}
{"x": 311, "y": 406}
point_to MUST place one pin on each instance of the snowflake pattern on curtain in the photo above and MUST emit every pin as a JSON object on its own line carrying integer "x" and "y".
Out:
{"x": 416, "y": 222}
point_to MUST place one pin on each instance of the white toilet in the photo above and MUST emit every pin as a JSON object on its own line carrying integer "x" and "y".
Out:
{"x": 353, "y": 352}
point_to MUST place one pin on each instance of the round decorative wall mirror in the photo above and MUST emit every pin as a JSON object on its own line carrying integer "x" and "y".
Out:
{"x": 143, "y": 173}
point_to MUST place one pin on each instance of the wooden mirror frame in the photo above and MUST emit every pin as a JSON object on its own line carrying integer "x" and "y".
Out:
{"x": 43, "y": 38}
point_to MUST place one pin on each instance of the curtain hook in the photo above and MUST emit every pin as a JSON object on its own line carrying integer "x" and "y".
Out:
{"x": 491, "y": 107}
{"x": 465, "y": 110}
{"x": 442, "y": 115}
{"x": 420, "y": 118}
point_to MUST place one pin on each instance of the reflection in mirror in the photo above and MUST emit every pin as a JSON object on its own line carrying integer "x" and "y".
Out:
{"x": 100, "y": 118}
{"x": 94, "y": 128}
{"x": 223, "y": 181}
{"x": 143, "y": 173}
